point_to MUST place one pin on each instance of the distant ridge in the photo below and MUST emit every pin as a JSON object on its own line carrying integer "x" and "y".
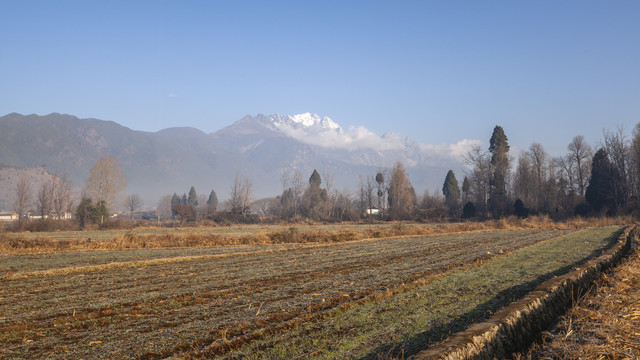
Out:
{"x": 174, "y": 159}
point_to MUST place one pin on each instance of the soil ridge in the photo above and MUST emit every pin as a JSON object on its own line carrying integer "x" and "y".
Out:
{"x": 517, "y": 325}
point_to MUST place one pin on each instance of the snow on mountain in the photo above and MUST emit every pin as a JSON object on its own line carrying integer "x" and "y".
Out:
{"x": 313, "y": 129}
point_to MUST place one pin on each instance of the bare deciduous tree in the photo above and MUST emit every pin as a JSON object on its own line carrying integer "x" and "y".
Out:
{"x": 240, "y": 195}
{"x": 133, "y": 202}
{"x": 581, "y": 154}
{"x": 265, "y": 207}
{"x": 480, "y": 176}
{"x": 23, "y": 198}
{"x": 62, "y": 197}
{"x": 400, "y": 194}
{"x": 538, "y": 159}
{"x": 635, "y": 160}
{"x": 332, "y": 192}
{"x": 106, "y": 182}
{"x": 294, "y": 184}
{"x": 44, "y": 199}
{"x": 366, "y": 193}
{"x": 163, "y": 209}
{"x": 566, "y": 166}
{"x": 247, "y": 195}
{"x": 617, "y": 147}
{"x": 522, "y": 180}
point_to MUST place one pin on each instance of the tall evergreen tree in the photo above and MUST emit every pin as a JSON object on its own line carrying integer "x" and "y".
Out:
{"x": 469, "y": 210}
{"x": 380, "y": 182}
{"x": 601, "y": 192}
{"x": 193, "y": 197}
{"x": 315, "y": 198}
{"x": 451, "y": 192}
{"x": 499, "y": 149}
{"x": 466, "y": 189}
{"x": 212, "y": 203}
{"x": 315, "y": 180}
{"x": 175, "y": 200}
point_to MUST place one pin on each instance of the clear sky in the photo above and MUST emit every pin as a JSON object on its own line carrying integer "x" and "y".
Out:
{"x": 437, "y": 71}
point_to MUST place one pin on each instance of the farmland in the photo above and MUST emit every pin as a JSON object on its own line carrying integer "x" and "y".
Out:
{"x": 603, "y": 324}
{"x": 348, "y": 299}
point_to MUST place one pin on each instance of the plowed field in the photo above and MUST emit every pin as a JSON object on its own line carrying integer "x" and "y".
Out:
{"x": 228, "y": 301}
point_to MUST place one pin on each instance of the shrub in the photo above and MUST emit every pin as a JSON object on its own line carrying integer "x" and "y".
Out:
{"x": 469, "y": 210}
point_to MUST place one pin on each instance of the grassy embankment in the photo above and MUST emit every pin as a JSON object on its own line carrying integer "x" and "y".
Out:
{"x": 603, "y": 324}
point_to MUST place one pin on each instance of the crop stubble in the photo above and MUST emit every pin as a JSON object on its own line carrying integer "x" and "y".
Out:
{"x": 161, "y": 309}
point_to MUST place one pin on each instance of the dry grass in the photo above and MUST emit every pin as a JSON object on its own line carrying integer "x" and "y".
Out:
{"x": 180, "y": 305}
{"x": 203, "y": 237}
{"x": 604, "y": 324}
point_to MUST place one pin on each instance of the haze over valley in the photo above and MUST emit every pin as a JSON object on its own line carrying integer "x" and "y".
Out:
{"x": 260, "y": 147}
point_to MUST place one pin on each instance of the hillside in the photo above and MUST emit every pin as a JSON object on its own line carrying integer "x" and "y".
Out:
{"x": 9, "y": 178}
{"x": 260, "y": 147}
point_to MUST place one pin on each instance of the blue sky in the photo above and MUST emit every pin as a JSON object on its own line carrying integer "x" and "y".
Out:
{"x": 437, "y": 71}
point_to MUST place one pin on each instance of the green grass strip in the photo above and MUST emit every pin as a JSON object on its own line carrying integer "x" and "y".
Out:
{"x": 404, "y": 323}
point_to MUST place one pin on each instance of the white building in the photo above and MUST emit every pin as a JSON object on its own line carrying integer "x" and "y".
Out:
{"x": 8, "y": 215}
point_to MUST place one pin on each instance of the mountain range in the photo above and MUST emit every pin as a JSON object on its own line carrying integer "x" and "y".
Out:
{"x": 259, "y": 147}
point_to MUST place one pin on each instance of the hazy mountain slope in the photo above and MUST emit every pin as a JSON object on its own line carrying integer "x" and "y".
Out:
{"x": 307, "y": 142}
{"x": 173, "y": 160}
{"x": 9, "y": 177}
{"x": 66, "y": 144}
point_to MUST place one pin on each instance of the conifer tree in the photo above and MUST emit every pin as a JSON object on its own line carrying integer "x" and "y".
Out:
{"x": 212, "y": 203}
{"x": 601, "y": 192}
{"x": 380, "y": 182}
{"x": 451, "y": 192}
{"x": 466, "y": 189}
{"x": 499, "y": 150}
{"x": 193, "y": 197}
{"x": 315, "y": 180}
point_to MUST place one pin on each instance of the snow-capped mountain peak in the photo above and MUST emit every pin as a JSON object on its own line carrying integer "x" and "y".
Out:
{"x": 306, "y": 121}
{"x": 322, "y": 131}
{"x": 311, "y": 120}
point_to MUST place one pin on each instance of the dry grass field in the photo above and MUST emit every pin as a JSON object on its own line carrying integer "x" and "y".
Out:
{"x": 332, "y": 293}
{"x": 603, "y": 324}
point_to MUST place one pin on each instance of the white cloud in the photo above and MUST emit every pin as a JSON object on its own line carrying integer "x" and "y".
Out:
{"x": 360, "y": 137}
{"x": 172, "y": 96}
{"x": 457, "y": 150}
{"x": 353, "y": 138}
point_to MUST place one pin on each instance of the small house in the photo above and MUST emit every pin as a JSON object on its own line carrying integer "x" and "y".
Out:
{"x": 8, "y": 215}
{"x": 373, "y": 211}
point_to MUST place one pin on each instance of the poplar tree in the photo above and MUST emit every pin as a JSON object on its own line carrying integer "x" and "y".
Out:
{"x": 401, "y": 195}
{"x": 106, "y": 182}
{"x": 380, "y": 182}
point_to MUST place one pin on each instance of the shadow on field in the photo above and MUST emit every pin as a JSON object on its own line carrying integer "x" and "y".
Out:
{"x": 423, "y": 340}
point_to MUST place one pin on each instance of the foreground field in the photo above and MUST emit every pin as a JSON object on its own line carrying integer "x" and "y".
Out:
{"x": 344, "y": 300}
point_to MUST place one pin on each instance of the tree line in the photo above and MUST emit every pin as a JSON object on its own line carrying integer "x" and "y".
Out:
{"x": 587, "y": 180}
{"x": 54, "y": 200}
{"x": 599, "y": 180}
